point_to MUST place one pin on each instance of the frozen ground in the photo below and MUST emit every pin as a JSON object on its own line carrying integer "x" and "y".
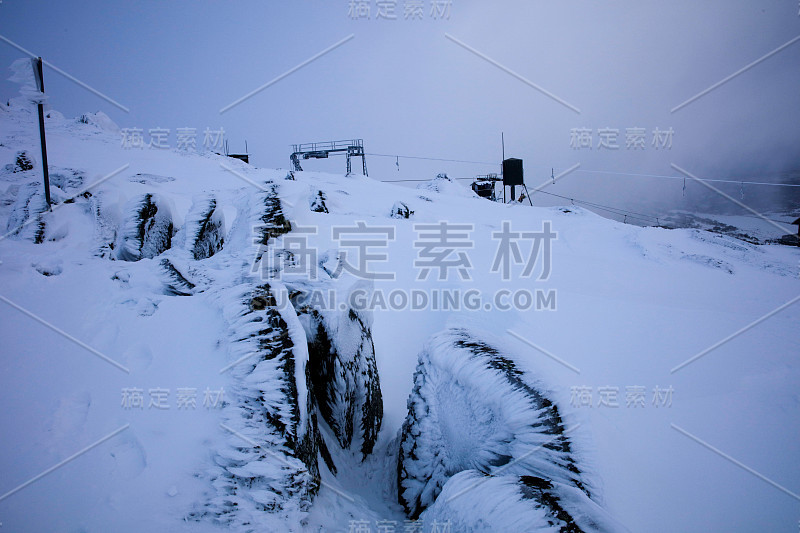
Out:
{"x": 718, "y": 452}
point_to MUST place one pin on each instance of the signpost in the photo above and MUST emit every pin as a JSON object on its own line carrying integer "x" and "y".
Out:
{"x": 37, "y": 73}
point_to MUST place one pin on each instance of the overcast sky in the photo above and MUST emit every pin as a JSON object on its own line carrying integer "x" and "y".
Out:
{"x": 406, "y": 88}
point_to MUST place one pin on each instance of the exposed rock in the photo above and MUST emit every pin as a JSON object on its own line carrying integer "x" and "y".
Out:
{"x": 401, "y": 210}
{"x": 317, "y": 203}
{"x": 204, "y": 228}
{"x": 176, "y": 283}
{"x": 26, "y": 220}
{"x": 471, "y": 408}
{"x": 343, "y": 373}
{"x": 147, "y": 229}
{"x": 274, "y": 221}
{"x": 270, "y": 462}
{"x": 22, "y": 162}
{"x": 472, "y": 501}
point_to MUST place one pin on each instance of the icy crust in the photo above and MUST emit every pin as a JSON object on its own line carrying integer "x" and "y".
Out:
{"x": 273, "y": 220}
{"x": 26, "y": 220}
{"x": 444, "y": 184}
{"x": 343, "y": 371}
{"x": 472, "y": 409}
{"x": 267, "y": 468}
{"x": 175, "y": 282}
{"x": 317, "y": 202}
{"x": 471, "y": 502}
{"x": 204, "y": 228}
{"x": 147, "y": 229}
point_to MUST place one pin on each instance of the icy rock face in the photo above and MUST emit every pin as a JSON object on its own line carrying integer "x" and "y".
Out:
{"x": 317, "y": 203}
{"x": 400, "y": 210}
{"x": 273, "y": 220}
{"x": 106, "y": 210}
{"x": 204, "y": 228}
{"x": 147, "y": 229}
{"x": 473, "y": 501}
{"x": 22, "y": 161}
{"x": 472, "y": 409}
{"x": 269, "y": 464}
{"x": 437, "y": 184}
{"x": 176, "y": 283}
{"x": 343, "y": 373}
{"x": 26, "y": 219}
{"x": 66, "y": 179}
{"x": 99, "y": 120}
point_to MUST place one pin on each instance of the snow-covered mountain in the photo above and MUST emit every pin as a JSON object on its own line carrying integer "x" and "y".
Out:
{"x": 192, "y": 343}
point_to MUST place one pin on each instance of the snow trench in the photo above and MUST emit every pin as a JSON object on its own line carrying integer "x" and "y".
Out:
{"x": 482, "y": 446}
{"x": 289, "y": 361}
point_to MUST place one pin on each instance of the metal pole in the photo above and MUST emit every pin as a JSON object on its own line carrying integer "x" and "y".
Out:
{"x": 503, "y": 142}
{"x": 41, "y": 134}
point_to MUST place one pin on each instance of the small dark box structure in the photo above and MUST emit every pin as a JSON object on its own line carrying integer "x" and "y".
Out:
{"x": 512, "y": 172}
{"x": 484, "y": 189}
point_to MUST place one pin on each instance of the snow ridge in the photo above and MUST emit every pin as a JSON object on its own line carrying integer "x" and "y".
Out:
{"x": 472, "y": 408}
{"x": 204, "y": 228}
{"x": 29, "y": 205}
{"x": 343, "y": 369}
{"x": 268, "y": 468}
{"x": 474, "y": 501}
{"x": 147, "y": 230}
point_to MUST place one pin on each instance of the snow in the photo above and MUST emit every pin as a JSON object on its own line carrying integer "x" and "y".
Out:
{"x": 24, "y": 75}
{"x": 632, "y": 304}
{"x": 472, "y": 409}
{"x": 510, "y": 503}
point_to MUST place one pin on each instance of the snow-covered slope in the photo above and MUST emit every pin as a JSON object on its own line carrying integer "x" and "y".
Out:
{"x": 170, "y": 346}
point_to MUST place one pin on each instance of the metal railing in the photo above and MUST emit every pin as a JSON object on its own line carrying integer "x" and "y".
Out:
{"x": 328, "y": 146}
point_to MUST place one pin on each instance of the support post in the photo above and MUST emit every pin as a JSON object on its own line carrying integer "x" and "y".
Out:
{"x": 40, "y": 85}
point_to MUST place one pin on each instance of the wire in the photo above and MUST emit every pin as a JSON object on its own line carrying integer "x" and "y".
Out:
{"x": 434, "y": 159}
{"x": 683, "y": 178}
{"x": 633, "y": 174}
{"x": 401, "y": 181}
{"x": 616, "y": 210}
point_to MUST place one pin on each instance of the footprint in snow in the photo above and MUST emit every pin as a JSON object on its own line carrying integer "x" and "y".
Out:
{"x": 69, "y": 418}
{"x": 142, "y": 307}
{"x": 128, "y": 456}
{"x": 138, "y": 357}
